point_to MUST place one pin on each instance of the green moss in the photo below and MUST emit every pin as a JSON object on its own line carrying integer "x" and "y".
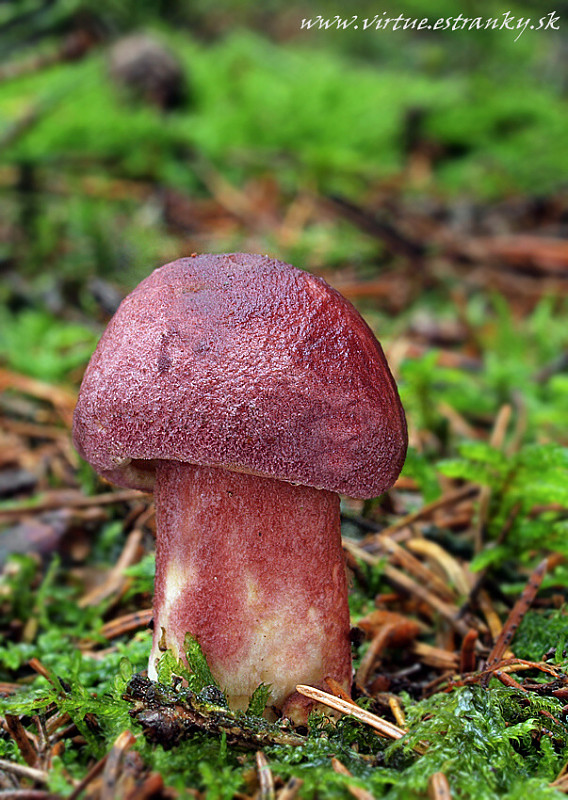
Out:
{"x": 39, "y": 344}
{"x": 255, "y": 102}
{"x": 489, "y": 743}
{"x": 542, "y": 633}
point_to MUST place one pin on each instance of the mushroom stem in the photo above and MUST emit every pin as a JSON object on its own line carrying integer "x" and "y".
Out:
{"x": 253, "y": 569}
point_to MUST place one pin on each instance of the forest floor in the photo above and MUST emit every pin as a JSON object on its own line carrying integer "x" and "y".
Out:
{"x": 458, "y": 574}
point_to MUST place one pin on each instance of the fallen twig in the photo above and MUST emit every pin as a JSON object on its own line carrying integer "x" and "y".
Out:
{"x": 111, "y": 771}
{"x": 449, "y": 611}
{"x": 116, "y": 578}
{"x": 20, "y": 736}
{"x": 356, "y": 791}
{"x": 90, "y": 776}
{"x": 290, "y": 791}
{"x": 467, "y": 653}
{"x": 70, "y": 499}
{"x": 127, "y": 623}
{"x": 168, "y": 716}
{"x": 265, "y": 779}
{"x": 36, "y": 775}
{"x": 438, "y": 787}
{"x": 382, "y": 726}
{"x": 464, "y": 493}
{"x": 62, "y": 400}
{"x": 517, "y": 613}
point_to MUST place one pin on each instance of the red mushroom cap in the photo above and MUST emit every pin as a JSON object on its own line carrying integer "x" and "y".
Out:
{"x": 246, "y": 363}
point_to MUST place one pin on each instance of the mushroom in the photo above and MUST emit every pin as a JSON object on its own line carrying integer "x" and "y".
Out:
{"x": 247, "y": 394}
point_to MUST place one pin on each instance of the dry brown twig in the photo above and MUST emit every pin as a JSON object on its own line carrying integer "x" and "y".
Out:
{"x": 21, "y": 771}
{"x": 411, "y": 564}
{"x": 338, "y": 690}
{"x": 438, "y": 787}
{"x": 378, "y": 643}
{"x": 517, "y": 613}
{"x": 382, "y": 726}
{"x": 467, "y": 653}
{"x": 448, "y": 499}
{"x": 397, "y": 711}
{"x": 391, "y": 630}
{"x": 25, "y": 744}
{"x": 355, "y": 791}
{"x": 116, "y": 580}
{"x": 265, "y": 777}
{"x": 436, "y": 656}
{"x": 63, "y": 400}
{"x": 127, "y": 623}
{"x": 290, "y": 791}
{"x": 93, "y": 773}
{"x": 151, "y": 786}
{"x": 491, "y": 616}
{"x": 111, "y": 771}
{"x": 449, "y": 611}
{"x": 455, "y": 573}
{"x": 496, "y": 441}
{"x": 70, "y": 498}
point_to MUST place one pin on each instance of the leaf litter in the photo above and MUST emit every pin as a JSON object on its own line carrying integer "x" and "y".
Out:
{"x": 443, "y": 696}
{"x": 459, "y": 574}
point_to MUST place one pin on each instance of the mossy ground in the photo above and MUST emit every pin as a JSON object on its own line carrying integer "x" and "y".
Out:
{"x": 379, "y": 162}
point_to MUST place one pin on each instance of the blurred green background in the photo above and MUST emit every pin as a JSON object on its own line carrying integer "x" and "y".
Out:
{"x": 423, "y": 173}
{"x": 99, "y": 178}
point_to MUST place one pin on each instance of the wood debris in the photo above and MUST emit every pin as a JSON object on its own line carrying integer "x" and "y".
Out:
{"x": 167, "y": 716}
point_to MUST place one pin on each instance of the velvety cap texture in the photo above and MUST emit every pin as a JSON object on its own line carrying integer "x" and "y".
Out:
{"x": 242, "y": 362}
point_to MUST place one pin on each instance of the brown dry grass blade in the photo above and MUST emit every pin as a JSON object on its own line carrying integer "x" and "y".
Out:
{"x": 355, "y": 791}
{"x": 438, "y": 787}
{"x": 448, "y": 610}
{"x": 63, "y": 400}
{"x": 22, "y": 740}
{"x": 382, "y": 726}
{"x": 265, "y": 777}
{"x": 290, "y": 791}
{"x": 448, "y": 499}
{"x": 111, "y": 771}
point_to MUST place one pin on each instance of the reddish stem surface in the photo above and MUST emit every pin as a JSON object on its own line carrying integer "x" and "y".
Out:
{"x": 253, "y": 568}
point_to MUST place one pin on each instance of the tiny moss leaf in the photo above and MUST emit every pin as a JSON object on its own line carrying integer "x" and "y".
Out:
{"x": 200, "y": 673}
{"x": 259, "y": 699}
